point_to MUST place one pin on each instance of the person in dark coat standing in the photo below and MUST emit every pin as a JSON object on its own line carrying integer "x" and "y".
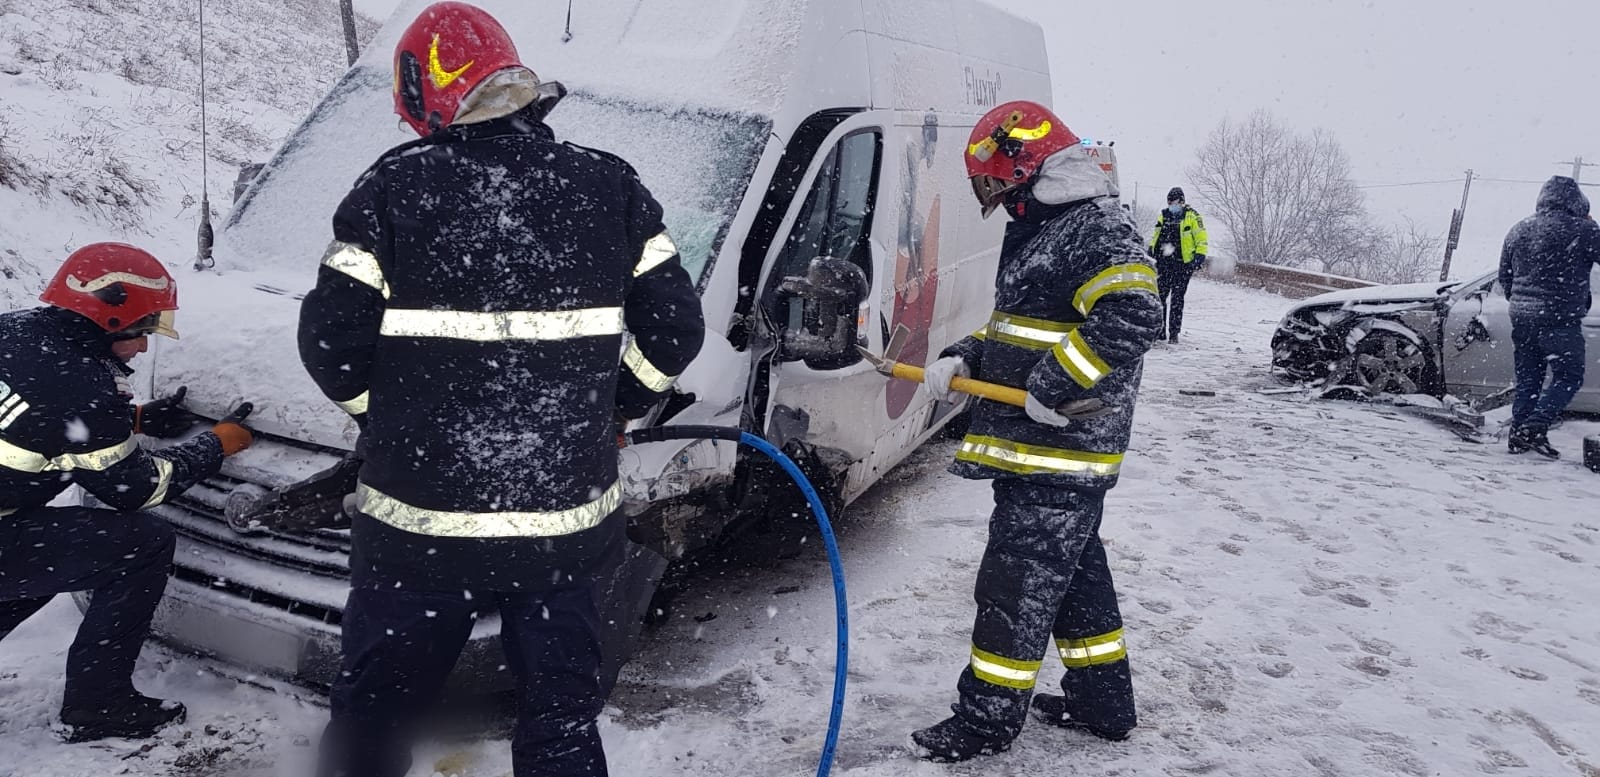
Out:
{"x": 1544, "y": 271}
{"x": 67, "y": 418}
{"x": 1076, "y": 308}
{"x": 1179, "y": 245}
{"x": 470, "y": 314}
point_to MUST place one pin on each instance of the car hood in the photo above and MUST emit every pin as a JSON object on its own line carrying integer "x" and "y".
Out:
{"x": 1403, "y": 292}
{"x": 239, "y": 344}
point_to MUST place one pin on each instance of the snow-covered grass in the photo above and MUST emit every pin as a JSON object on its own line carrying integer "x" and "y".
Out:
{"x": 1310, "y": 588}
{"x": 101, "y": 128}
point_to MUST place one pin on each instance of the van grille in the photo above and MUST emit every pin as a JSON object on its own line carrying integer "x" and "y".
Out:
{"x": 197, "y": 515}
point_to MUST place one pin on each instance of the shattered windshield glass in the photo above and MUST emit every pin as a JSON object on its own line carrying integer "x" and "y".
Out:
{"x": 696, "y": 163}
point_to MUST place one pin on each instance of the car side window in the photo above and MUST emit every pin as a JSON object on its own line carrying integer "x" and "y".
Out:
{"x": 836, "y": 219}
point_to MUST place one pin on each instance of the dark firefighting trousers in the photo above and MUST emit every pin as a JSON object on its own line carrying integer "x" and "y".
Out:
{"x": 123, "y": 558}
{"x": 1044, "y": 574}
{"x": 399, "y": 648}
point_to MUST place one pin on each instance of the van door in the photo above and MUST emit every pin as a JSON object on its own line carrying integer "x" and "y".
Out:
{"x": 819, "y": 298}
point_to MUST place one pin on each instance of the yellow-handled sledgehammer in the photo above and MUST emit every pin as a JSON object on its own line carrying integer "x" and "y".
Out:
{"x": 889, "y": 365}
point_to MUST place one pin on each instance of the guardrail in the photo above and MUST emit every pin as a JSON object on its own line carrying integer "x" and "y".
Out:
{"x": 1291, "y": 282}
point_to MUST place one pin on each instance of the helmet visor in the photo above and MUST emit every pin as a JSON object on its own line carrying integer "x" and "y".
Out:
{"x": 991, "y": 192}
{"x": 158, "y": 323}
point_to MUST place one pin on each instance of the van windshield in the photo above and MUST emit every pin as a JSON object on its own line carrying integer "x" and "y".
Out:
{"x": 697, "y": 162}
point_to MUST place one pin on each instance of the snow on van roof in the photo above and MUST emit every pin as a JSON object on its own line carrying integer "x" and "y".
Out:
{"x": 733, "y": 55}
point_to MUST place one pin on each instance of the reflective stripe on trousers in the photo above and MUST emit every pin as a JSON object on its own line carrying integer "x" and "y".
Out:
{"x": 1004, "y": 672}
{"x": 1092, "y": 651}
{"x": 448, "y": 523}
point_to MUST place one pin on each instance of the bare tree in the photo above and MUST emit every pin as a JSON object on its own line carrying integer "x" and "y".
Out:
{"x": 1281, "y": 195}
{"x": 1402, "y": 255}
{"x": 347, "y": 13}
{"x": 1286, "y": 198}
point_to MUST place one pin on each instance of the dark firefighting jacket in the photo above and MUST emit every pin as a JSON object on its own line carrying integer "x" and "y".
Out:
{"x": 482, "y": 287}
{"x": 66, "y": 418}
{"x": 1076, "y": 308}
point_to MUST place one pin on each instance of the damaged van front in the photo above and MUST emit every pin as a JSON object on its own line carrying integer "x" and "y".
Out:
{"x": 807, "y": 156}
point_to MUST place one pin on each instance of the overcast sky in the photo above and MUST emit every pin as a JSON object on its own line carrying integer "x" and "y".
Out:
{"x": 1416, "y": 90}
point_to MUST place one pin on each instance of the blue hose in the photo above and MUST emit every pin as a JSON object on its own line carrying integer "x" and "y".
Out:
{"x": 841, "y": 668}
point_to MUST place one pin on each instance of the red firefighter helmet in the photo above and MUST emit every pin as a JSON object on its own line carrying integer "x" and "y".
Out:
{"x": 1008, "y": 146}
{"x": 447, "y": 51}
{"x": 125, "y": 290}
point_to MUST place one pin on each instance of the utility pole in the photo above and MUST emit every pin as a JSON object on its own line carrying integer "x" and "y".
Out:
{"x": 1454, "y": 239}
{"x": 1577, "y": 167}
{"x": 347, "y": 15}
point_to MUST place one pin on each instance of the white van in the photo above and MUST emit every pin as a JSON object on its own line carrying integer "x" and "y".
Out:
{"x": 775, "y": 134}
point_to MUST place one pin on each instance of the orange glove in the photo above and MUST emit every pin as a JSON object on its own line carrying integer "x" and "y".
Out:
{"x": 232, "y": 432}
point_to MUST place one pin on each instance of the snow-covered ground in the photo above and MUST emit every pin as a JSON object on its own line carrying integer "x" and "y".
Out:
{"x": 100, "y": 136}
{"x": 1310, "y": 588}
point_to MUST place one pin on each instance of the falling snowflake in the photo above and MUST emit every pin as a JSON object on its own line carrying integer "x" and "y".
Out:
{"x": 77, "y": 431}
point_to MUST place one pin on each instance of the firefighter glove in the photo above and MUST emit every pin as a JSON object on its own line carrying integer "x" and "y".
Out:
{"x": 937, "y": 376}
{"x": 232, "y": 432}
{"x": 1043, "y": 414}
{"x": 165, "y": 417}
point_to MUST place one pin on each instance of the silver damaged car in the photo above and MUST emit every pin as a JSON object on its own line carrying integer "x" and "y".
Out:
{"x": 1423, "y": 338}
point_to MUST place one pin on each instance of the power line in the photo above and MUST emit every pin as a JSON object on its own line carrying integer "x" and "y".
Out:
{"x": 1408, "y": 183}
{"x": 1536, "y": 183}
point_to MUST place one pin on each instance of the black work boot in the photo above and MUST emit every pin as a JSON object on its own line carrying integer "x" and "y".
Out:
{"x": 1517, "y": 442}
{"x": 1052, "y": 709}
{"x": 129, "y": 717}
{"x": 1539, "y": 442}
{"x": 953, "y": 740}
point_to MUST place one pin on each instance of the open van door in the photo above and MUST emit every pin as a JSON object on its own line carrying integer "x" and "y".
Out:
{"x": 817, "y": 298}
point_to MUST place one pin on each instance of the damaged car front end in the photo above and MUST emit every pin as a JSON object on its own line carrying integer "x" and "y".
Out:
{"x": 1382, "y": 340}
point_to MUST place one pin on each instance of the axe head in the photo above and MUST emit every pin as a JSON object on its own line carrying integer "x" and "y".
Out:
{"x": 897, "y": 343}
{"x": 891, "y": 352}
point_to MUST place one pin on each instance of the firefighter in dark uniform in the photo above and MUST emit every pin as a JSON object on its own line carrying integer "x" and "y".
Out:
{"x": 67, "y": 418}
{"x": 1076, "y": 308}
{"x": 470, "y": 315}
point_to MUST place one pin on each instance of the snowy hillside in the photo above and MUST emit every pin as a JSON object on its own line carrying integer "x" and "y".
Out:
{"x": 100, "y": 117}
{"x": 1310, "y": 588}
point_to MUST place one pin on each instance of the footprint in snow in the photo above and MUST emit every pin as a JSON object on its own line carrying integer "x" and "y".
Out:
{"x": 1352, "y": 600}
{"x": 1278, "y": 670}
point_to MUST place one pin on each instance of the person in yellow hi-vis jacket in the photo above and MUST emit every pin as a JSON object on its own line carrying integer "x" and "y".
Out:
{"x": 1075, "y": 310}
{"x": 1179, "y": 246}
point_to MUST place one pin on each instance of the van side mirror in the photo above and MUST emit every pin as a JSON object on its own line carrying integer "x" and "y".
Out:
{"x": 824, "y": 332}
